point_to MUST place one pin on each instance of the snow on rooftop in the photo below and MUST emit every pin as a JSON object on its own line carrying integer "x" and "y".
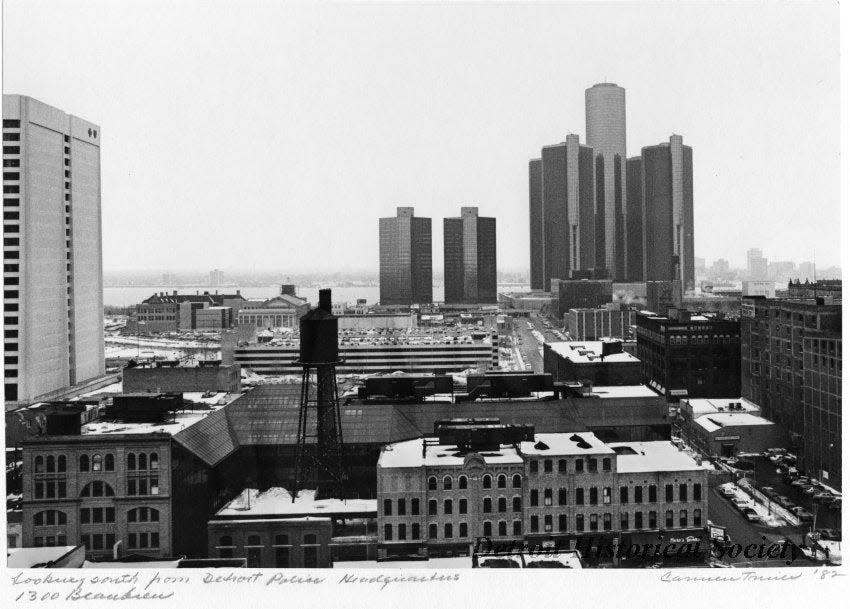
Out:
{"x": 581, "y": 443}
{"x": 719, "y": 420}
{"x": 278, "y": 502}
{"x": 661, "y": 456}
{"x": 588, "y": 351}
{"x": 25, "y": 558}
{"x": 623, "y": 391}
{"x": 701, "y": 406}
{"x": 409, "y": 454}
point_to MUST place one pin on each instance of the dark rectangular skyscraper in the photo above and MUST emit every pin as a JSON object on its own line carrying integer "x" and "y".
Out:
{"x": 634, "y": 219}
{"x": 668, "y": 219}
{"x": 535, "y": 214}
{"x": 567, "y": 193}
{"x": 469, "y": 257}
{"x": 405, "y": 259}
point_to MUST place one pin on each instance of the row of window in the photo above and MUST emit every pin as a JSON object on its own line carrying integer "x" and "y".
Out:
{"x": 592, "y": 465}
{"x": 486, "y": 482}
{"x": 96, "y": 462}
{"x": 253, "y": 550}
{"x": 668, "y": 493}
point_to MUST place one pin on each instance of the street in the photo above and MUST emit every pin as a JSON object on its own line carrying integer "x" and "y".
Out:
{"x": 528, "y": 345}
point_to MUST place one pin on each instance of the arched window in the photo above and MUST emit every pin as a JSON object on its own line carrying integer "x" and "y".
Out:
{"x": 487, "y": 481}
{"x": 131, "y": 461}
{"x": 62, "y": 464}
{"x": 502, "y": 481}
{"x": 432, "y": 531}
{"x": 253, "y": 540}
{"x": 517, "y": 481}
{"x": 432, "y": 483}
{"x": 51, "y": 464}
{"x": 461, "y": 482}
{"x": 109, "y": 462}
{"x": 503, "y": 504}
{"x": 281, "y": 540}
{"x": 97, "y": 489}
{"x": 309, "y": 539}
{"x": 96, "y": 463}
{"x": 50, "y": 518}
{"x": 488, "y": 528}
{"x": 143, "y": 514}
{"x": 447, "y": 506}
{"x": 388, "y": 532}
{"x": 503, "y": 528}
{"x": 143, "y": 461}
{"x": 84, "y": 463}
{"x": 154, "y": 461}
{"x": 39, "y": 464}
{"x": 447, "y": 530}
{"x": 447, "y": 483}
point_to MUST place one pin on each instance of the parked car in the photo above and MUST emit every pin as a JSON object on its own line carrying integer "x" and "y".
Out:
{"x": 726, "y": 492}
{"x": 811, "y": 489}
{"x": 785, "y": 502}
{"x": 823, "y": 497}
{"x": 801, "y": 481}
{"x": 741, "y": 503}
{"x": 829, "y": 534}
{"x": 801, "y": 513}
{"x": 750, "y": 514}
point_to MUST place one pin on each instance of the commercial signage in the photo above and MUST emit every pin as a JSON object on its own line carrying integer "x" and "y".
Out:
{"x": 716, "y": 532}
{"x": 723, "y": 438}
{"x": 678, "y": 392}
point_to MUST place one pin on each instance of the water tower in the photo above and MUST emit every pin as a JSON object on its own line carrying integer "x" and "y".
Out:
{"x": 319, "y": 358}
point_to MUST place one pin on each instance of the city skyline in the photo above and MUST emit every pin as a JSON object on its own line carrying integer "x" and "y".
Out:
{"x": 457, "y": 144}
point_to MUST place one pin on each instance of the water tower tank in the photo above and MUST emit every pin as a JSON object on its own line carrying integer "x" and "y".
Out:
{"x": 320, "y": 333}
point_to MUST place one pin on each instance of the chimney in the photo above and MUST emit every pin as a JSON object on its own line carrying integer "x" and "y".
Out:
{"x": 174, "y": 293}
{"x": 325, "y": 300}
{"x": 238, "y": 293}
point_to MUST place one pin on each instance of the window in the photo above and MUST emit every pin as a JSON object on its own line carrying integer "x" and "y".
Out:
{"x": 432, "y": 483}
{"x": 109, "y": 462}
{"x": 606, "y": 521}
{"x": 432, "y": 507}
{"x": 402, "y": 508}
{"x": 142, "y": 514}
{"x": 697, "y": 492}
{"x": 462, "y": 530}
{"x": 402, "y": 532}
{"x": 547, "y": 466}
{"x": 653, "y": 519}
{"x": 638, "y": 520}
{"x": 606, "y": 464}
{"x": 697, "y": 517}
{"x": 461, "y": 482}
{"x": 535, "y": 524}
{"x": 534, "y": 497}
{"x": 447, "y": 506}
{"x": 487, "y": 505}
{"x": 547, "y": 496}
{"x": 594, "y": 522}
{"x": 624, "y": 521}
{"x": 594, "y": 495}
{"x": 447, "y": 530}
{"x": 562, "y": 522}
{"x": 562, "y": 496}
{"x": 579, "y": 496}
{"x": 503, "y": 504}
{"x": 97, "y": 489}
{"x": 683, "y": 518}
{"x": 96, "y": 463}
{"x": 638, "y": 494}
{"x": 668, "y": 519}
{"x": 388, "y": 507}
{"x": 281, "y": 551}
{"x": 547, "y": 523}
{"x": 447, "y": 483}
{"x": 668, "y": 492}
{"x": 131, "y": 461}
{"x": 487, "y": 481}
{"x": 461, "y": 506}
{"x": 414, "y": 507}
{"x": 502, "y": 481}
{"x": 579, "y": 465}
{"x": 517, "y": 527}
{"x": 517, "y": 504}
{"x": 49, "y": 518}
{"x": 517, "y": 481}
{"x": 532, "y": 466}
{"x": 562, "y": 466}
{"x": 488, "y": 528}
{"x": 653, "y": 493}
{"x": 311, "y": 553}
{"x": 579, "y": 522}
{"x": 414, "y": 531}
{"x": 388, "y": 532}
{"x": 683, "y": 492}
{"x": 591, "y": 465}
{"x": 39, "y": 464}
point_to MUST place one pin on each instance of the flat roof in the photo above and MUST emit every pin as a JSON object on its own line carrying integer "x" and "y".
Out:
{"x": 278, "y": 501}
{"x": 589, "y": 351}
{"x": 661, "y": 456}
{"x": 26, "y": 558}
{"x": 701, "y": 406}
{"x": 409, "y": 454}
{"x": 713, "y": 422}
{"x": 623, "y": 391}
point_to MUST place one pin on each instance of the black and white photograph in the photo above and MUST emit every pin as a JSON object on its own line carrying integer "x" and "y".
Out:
{"x": 349, "y": 303}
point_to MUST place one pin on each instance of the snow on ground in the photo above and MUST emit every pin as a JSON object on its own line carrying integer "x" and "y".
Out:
{"x": 767, "y": 517}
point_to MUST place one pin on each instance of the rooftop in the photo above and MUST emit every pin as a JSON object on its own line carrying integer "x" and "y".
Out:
{"x": 640, "y": 457}
{"x": 623, "y": 391}
{"x": 589, "y": 351}
{"x": 702, "y": 406}
{"x": 278, "y": 501}
{"x": 713, "y": 422}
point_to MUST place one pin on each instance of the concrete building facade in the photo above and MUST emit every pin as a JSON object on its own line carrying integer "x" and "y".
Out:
{"x": 469, "y": 245}
{"x": 52, "y": 252}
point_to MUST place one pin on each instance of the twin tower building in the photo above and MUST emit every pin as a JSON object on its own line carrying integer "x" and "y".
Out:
{"x": 469, "y": 258}
{"x": 597, "y": 214}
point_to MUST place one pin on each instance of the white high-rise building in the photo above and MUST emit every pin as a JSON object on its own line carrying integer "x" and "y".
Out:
{"x": 52, "y": 252}
{"x": 605, "y": 122}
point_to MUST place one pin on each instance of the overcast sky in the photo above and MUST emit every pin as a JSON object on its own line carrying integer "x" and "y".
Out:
{"x": 252, "y": 135}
